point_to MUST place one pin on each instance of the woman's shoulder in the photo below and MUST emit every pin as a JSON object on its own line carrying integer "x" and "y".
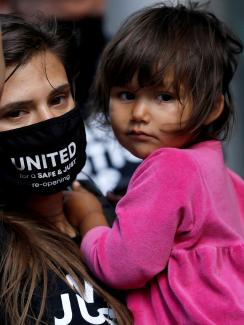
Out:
{"x": 65, "y": 302}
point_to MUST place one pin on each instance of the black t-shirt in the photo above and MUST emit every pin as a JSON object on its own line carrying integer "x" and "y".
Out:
{"x": 65, "y": 305}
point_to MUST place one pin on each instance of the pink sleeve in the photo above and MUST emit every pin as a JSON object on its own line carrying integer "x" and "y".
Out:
{"x": 158, "y": 203}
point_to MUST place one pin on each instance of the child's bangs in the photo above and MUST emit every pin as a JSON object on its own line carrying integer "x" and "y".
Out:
{"x": 134, "y": 58}
{"x": 155, "y": 58}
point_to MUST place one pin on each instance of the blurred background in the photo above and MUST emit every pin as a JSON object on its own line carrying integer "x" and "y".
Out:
{"x": 89, "y": 24}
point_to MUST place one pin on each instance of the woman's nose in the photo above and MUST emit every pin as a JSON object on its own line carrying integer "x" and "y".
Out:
{"x": 43, "y": 113}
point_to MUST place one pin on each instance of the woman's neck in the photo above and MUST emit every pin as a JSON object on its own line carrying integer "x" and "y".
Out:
{"x": 50, "y": 207}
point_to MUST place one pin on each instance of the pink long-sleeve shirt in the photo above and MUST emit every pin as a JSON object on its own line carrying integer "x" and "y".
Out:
{"x": 178, "y": 241}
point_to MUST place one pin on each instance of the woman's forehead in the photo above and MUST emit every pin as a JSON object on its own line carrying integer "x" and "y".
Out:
{"x": 32, "y": 78}
{"x": 42, "y": 61}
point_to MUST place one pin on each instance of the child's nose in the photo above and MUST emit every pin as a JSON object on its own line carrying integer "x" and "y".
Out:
{"x": 140, "y": 111}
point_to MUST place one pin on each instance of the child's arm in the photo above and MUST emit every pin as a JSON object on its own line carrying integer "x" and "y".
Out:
{"x": 83, "y": 209}
{"x": 138, "y": 246}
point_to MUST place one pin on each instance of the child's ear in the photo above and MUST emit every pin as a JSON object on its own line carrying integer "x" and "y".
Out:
{"x": 216, "y": 112}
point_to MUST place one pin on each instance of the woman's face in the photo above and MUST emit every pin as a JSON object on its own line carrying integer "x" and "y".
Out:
{"x": 37, "y": 91}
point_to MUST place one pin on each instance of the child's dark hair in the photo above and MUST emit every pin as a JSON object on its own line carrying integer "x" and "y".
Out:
{"x": 189, "y": 43}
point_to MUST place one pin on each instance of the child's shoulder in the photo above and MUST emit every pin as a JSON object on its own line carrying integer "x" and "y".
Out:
{"x": 197, "y": 154}
{"x": 185, "y": 165}
{"x": 179, "y": 171}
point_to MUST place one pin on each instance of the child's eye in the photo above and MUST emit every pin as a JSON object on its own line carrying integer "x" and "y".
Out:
{"x": 164, "y": 97}
{"x": 126, "y": 95}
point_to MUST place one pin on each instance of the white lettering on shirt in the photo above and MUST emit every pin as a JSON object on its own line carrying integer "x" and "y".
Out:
{"x": 67, "y": 311}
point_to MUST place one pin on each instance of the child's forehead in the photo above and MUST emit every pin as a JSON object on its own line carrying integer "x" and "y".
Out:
{"x": 167, "y": 81}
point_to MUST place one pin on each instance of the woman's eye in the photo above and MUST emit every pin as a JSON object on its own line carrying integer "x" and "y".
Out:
{"x": 126, "y": 96}
{"x": 57, "y": 100}
{"x": 15, "y": 114}
{"x": 165, "y": 97}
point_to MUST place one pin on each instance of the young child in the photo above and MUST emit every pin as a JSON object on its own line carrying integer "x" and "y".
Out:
{"x": 177, "y": 244}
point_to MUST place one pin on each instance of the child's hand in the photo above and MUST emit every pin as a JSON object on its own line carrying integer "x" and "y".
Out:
{"x": 83, "y": 209}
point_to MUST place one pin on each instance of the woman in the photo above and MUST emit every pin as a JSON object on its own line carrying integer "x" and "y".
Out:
{"x": 42, "y": 148}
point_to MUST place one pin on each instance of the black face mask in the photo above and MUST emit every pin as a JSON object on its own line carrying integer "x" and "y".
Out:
{"x": 44, "y": 157}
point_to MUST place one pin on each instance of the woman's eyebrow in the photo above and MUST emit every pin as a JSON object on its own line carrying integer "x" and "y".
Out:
{"x": 15, "y": 106}
{"x": 60, "y": 89}
{"x": 24, "y": 103}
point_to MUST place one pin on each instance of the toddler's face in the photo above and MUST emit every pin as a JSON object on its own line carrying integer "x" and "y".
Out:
{"x": 146, "y": 119}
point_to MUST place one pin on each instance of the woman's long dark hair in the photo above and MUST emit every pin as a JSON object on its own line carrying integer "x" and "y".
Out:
{"x": 32, "y": 247}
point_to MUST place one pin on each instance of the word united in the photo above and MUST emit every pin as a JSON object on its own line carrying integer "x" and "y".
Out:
{"x": 45, "y": 161}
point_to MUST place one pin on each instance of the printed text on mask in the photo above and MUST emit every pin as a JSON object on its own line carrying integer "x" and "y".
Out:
{"x": 45, "y": 161}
